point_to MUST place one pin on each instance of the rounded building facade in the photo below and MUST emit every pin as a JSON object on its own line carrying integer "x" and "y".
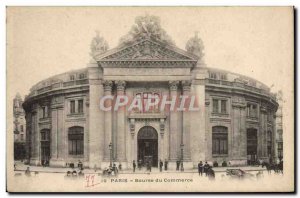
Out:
{"x": 234, "y": 120}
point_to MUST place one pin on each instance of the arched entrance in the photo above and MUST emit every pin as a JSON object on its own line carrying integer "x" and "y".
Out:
{"x": 147, "y": 140}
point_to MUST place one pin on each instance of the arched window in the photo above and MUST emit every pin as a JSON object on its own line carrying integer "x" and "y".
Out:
{"x": 75, "y": 137}
{"x": 219, "y": 140}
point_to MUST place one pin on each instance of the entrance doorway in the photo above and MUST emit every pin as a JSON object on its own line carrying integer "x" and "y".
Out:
{"x": 251, "y": 146}
{"x": 45, "y": 147}
{"x": 148, "y": 146}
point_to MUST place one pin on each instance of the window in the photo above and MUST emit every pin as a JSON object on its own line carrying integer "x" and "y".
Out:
{"x": 252, "y": 110}
{"x": 45, "y": 112}
{"x": 75, "y": 137}
{"x": 269, "y": 143}
{"x": 81, "y": 76}
{"x": 80, "y": 106}
{"x": 280, "y": 150}
{"x": 22, "y": 137}
{"x": 72, "y": 77}
{"x": 219, "y": 140}
{"x": 21, "y": 128}
{"x": 269, "y": 117}
{"x": 223, "y": 106}
{"x": 72, "y": 106}
{"x": 45, "y": 135}
{"x": 152, "y": 97}
{"x": 220, "y": 106}
{"x": 215, "y": 106}
{"x": 213, "y": 75}
{"x": 223, "y": 77}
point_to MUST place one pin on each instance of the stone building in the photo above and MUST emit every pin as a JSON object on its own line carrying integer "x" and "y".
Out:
{"x": 279, "y": 128}
{"x": 19, "y": 128}
{"x": 235, "y": 121}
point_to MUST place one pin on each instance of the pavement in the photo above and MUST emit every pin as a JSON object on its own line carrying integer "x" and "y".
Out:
{"x": 22, "y": 167}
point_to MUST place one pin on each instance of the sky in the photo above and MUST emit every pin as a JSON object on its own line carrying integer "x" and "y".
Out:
{"x": 44, "y": 41}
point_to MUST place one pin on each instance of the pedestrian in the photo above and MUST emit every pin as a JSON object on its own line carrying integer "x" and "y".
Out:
{"x": 120, "y": 166}
{"x": 166, "y": 164}
{"x": 177, "y": 165}
{"x": 205, "y": 168}
{"x": 149, "y": 166}
{"x": 161, "y": 164}
{"x": 80, "y": 165}
{"x": 140, "y": 164}
{"x": 133, "y": 165}
{"x": 200, "y": 168}
{"x": 27, "y": 172}
{"x": 181, "y": 166}
{"x": 210, "y": 173}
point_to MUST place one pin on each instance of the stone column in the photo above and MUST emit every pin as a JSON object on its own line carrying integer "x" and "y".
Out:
{"x": 162, "y": 133}
{"x": 58, "y": 147}
{"x": 174, "y": 147}
{"x": 263, "y": 133}
{"x": 239, "y": 138}
{"x": 35, "y": 143}
{"x": 260, "y": 134}
{"x": 107, "y": 120}
{"x": 186, "y": 88}
{"x": 54, "y": 131}
{"x": 121, "y": 135}
{"x": 96, "y": 131}
{"x": 132, "y": 132}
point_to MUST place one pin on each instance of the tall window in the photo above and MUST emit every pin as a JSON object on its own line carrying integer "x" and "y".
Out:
{"x": 75, "y": 137}
{"x": 72, "y": 77}
{"x": 219, "y": 140}
{"x": 252, "y": 110}
{"x": 80, "y": 106}
{"x": 81, "y": 76}
{"x": 21, "y": 128}
{"x": 213, "y": 75}
{"x": 223, "y": 106}
{"x": 45, "y": 112}
{"x": 72, "y": 106}
{"x": 280, "y": 150}
{"x": 223, "y": 77}
{"x": 45, "y": 144}
{"x": 220, "y": 106}
{"x": 269, "y": 143}
{"x": 215, "y": 106}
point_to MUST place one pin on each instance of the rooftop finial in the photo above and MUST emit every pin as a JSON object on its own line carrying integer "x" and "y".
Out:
{"x": 146, "y": 27}
{"x": 195, "y": 46}
{"x": 98, "y": 44}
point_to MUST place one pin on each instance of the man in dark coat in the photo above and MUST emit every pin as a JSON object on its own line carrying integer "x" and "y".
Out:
{"x": 200, "y": 168}
{"x": 205, "y": 168}
{"x": 133, "y": 165}
{"x": 166, "y": 165}
{"x": 177, "y": 165}
{"x": 161, "y": 164}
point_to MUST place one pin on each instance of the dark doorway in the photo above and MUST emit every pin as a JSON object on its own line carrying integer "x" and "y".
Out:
{"x": 148, "y": 146}
{"x": 251, "y": 146}
{"x": 45, "y": 147}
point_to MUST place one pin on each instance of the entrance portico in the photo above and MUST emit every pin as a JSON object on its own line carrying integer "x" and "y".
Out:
{"x": 142, "y": 69}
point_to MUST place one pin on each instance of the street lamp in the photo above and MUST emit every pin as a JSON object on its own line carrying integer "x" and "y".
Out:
{"x": 110, "y": 158}
{"x": 181, "y": 161}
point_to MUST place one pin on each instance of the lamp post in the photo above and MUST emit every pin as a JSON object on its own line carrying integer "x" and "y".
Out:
{"x": 110, "y": 158}
{"x": 181, "y": 161}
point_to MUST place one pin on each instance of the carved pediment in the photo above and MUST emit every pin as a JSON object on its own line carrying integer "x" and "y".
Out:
{"x": 147, "y": 50}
